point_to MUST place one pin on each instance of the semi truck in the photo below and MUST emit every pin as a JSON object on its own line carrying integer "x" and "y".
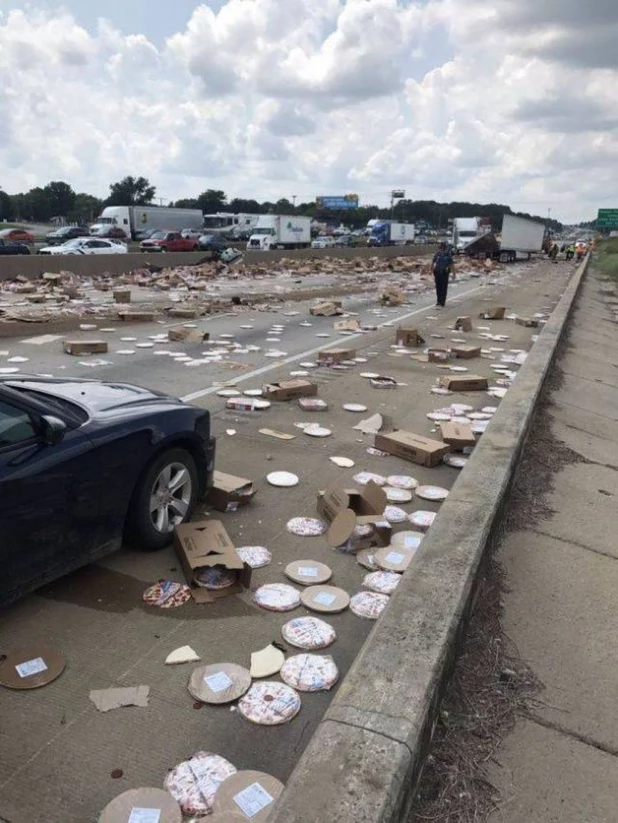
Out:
{"x": 468, "y": 229}
{"x": 231, "y": 226}
{"x": 388, "y": 233}
{"x": 134, "y": 220}
{"x": 280, "y": 231}
{"x": 518, "y": 239}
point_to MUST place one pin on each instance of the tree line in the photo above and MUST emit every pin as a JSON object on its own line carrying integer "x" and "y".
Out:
{"x": 58, "y": 199}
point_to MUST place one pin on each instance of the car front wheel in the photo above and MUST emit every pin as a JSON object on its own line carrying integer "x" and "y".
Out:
{"x": 164, "y": 498}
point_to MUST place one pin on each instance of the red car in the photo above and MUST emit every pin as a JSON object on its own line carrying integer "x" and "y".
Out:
{"x": 169, "y": 241}
{"x": 17, "y": 236}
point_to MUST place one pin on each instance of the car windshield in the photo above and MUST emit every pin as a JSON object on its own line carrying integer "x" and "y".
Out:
{"x": 264, "y": 231}
{"x": 54, "y": 404}
{"x": 74, "y": 242}
{"x": 158, "y": 235}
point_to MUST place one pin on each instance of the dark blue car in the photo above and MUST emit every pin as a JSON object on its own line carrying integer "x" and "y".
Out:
{"x": 85, "y": 464}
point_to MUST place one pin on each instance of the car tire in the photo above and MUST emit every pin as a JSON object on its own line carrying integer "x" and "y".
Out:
{"x": 141, "y": 528}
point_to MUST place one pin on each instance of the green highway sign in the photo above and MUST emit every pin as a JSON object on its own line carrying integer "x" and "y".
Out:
{"x": 607, "y": 219}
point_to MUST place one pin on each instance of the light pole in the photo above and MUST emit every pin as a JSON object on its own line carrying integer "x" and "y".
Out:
{"x": 396, "y": 194}
{"x": 294, "y": 201}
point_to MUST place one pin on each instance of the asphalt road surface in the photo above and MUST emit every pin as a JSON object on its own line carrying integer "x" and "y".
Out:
{"x": 57, "y": 752}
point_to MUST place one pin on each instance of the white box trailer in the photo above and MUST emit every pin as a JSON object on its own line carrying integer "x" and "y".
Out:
{"x": 521, "y": 235}
{"x": 280, "y": 231}
{"x": 134, "y": 219}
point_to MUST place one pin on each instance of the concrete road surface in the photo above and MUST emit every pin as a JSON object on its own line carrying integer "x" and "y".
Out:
{"x": 57, "y": 752}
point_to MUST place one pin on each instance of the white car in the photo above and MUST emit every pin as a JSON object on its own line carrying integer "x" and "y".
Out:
{"x": 87, "y": 245}
{"x": 323, "y": 241}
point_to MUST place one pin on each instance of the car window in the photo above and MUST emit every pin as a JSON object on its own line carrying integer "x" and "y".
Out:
{"x": 16, "y": 426}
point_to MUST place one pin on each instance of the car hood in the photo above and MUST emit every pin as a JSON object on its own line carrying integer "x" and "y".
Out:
{"x": 94, "y": 396}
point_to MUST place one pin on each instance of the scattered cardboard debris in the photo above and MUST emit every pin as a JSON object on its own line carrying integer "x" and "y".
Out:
{"x": 266, "y": 662}
{"x": 117, "y": 698}
{"x": 183, "y": 654}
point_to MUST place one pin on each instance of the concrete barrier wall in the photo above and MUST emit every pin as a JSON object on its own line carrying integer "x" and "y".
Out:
{"x": 92, "y": 265}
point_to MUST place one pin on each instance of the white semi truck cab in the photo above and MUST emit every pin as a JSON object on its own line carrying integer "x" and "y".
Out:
{"x": 280, "y": 231}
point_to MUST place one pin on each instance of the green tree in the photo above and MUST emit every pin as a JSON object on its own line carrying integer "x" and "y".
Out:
{"x": 6, "y": 206}
{"x": 85, "y": 208}
{"x": 131, "y": 191}
{"x": 187, "y": 203}
{"x": 211, "y": 200}
{"x": 60, "y": 198}
{"x": 242, "y": 206}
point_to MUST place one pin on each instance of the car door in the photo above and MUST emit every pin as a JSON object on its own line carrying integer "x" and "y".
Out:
{"x": 47, "y": 500}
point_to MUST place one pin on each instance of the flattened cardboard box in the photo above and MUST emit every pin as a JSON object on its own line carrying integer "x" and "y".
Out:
{"x": 457, "y": 435}
{"x": 466, "y": 352}
{"x": 143, "y": 316}
{"x": 463, "y": 323}
{"x": 177, "y": 334}
{"x": 206, "y": 543}
{"x": 328, "y": 356}
{"x": 228, "y": 492}
{"x": 328, "y": 308}
{"x": 412, "y": 447}
{"x": 468, "y": 382}
{"x": 530, "y": 322}
{"x": 344, "y": 509}
{"x": 346, "y": 325}
{"x": 289, "y": 390}
{"x": 495, "y": 313}
{"x": 409, "y": 337}
{"x": 78, "y": 347}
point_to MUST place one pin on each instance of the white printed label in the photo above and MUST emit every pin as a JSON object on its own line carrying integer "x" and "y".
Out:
{"x": 253, "y": 799}
{"x": 218, "y": 682}
{"x": 395, "y": 557}
{"x": 307, "y": 571}
{"x": 411, "y": 542}
{"x": 30, "y": 667}
{"x": 144, "y": 815}
{"x": 324, "y": 599}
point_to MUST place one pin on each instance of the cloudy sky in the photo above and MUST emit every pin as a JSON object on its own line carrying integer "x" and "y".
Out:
{"x": 509, "y": 101}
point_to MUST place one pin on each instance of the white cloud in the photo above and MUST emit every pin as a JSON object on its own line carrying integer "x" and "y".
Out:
{"x": 511, "y": 101}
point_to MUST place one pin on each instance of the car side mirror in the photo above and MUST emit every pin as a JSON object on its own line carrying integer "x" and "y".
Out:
{"x": 54, "y": 429}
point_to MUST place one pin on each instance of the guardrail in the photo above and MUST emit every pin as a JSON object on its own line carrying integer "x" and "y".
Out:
{"x": 33, "y": 266}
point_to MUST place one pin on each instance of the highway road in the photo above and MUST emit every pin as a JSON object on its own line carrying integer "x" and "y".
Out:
{"x": 54, "y": 739}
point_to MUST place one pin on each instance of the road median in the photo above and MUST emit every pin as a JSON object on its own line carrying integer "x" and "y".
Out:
{"x": 365, "y": 759}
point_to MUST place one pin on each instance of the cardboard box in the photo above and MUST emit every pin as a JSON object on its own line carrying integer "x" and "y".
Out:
{"x": 186, "y": 314}
{"x": 327, "y": 308}
{"x": 346, "y": 325}
{"x": 466, "y": 352}
{"x": 438, "y": 355}
{"x": 329, "y": 356}
{"x": 464, "y": 382}
{"x": 408, "y": 337}
{"x": 289, "y": 390}
{"x": 206, "y": 543}
{"x": 79, "y": 347}
{"x": 457, "y": 435}
{"x": 344, "y": 509}
{"x": 393, "y": 297}
{"x": 530, "y": 322}
{"x": 412, "y": 447}
{"x": 495, "y": 313}
{"x": 122, "y": 295}
{"x": 181, "y": 334}
{"x": 136, "y": 316}
{"x": 228, "y": 492}
{"x": 463, "y": 323}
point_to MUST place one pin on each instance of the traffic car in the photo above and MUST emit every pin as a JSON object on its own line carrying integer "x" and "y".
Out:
{"x": 17, "y": 236}
{"x": 87, "y": 245}
{"x": 323, "y": 241}
{"x": 212, "y": 242}
{"x": 7, "y": 247}
{"x": 191, "y": 234}
{"x": 85, "y": 464}
{"x": 55, "y": 238}
{"x": 168, "y": 241}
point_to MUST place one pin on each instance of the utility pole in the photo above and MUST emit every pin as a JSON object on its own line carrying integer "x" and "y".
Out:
{"x": 294, "y": 200}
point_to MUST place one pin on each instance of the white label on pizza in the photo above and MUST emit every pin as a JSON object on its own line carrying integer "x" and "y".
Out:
{"x": 307, "y": 571}
{"x": 324, "y": 599}
{"x": 144, "y": 815}
{"x": 218, "y": 682}
{"x": 30, "y": 667}
{"x": 395, "y": 557}
{"x": 253, "y": 799}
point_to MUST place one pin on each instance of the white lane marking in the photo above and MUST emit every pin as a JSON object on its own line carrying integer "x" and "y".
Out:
{"x": 42, "y": 340}
{"x": 293, "y": 358}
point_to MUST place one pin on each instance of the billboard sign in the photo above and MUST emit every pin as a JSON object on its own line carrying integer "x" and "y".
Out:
{"x": 347, "y": 201}
{"x": 607, "y": 219}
